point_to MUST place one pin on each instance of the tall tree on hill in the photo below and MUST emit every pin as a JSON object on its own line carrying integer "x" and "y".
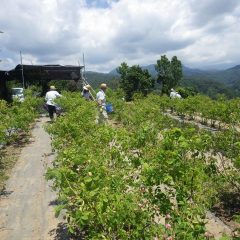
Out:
{"x": 134, "y": 79}
{"x": 169, "y": 73}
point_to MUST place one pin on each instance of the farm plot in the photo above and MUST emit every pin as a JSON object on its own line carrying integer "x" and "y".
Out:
{"x": 152, "y": 178}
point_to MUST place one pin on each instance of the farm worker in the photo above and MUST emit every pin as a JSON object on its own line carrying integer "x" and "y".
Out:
{"x": 86, "y": 93}
{"x": 51, "y": 95}
{"x": 174, "y": 94}
{"x": 101, "y": 101}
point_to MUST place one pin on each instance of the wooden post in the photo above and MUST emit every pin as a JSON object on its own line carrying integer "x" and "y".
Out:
{"x": 23, "y": 83}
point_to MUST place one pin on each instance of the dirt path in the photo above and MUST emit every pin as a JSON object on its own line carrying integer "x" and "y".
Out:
{"x": 27, "y": 205}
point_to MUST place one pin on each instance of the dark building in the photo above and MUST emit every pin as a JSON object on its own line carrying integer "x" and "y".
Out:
{"x": 49, "y": 72}
{"x": 39, "y": 75}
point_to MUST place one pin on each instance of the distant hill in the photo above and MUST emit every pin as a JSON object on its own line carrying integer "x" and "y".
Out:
{"x": 151, "y": 69}
{"x": 186, "y": 71}
{"x": 96, "y": 78}
{"x": 114, "y": 72}
{"x": 218, "y": 81}
{"x": 229, "y": 76}
{"x": 209, "y": 82}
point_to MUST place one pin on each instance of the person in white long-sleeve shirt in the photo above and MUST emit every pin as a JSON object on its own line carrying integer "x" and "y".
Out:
{"x": 51, "y": 95}
{"x": 101, "y": 100}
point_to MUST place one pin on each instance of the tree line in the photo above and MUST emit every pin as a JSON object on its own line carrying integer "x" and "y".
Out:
{"x": 134, "y": 79}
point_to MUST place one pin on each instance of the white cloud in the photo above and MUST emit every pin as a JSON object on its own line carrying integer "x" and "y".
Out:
{"x": 110, "y": 32}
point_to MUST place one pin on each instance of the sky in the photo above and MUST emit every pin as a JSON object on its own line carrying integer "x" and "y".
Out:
{"x": 201, "y": 33}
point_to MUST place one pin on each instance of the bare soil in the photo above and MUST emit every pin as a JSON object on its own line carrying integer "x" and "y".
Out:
{"x": 227, "y": 208}
{"x": 27, "y": 202}
{"x": 9, "y": 154}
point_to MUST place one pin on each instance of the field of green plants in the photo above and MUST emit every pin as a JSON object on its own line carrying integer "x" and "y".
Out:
{"x": 144, "y": 175}
{"x": 15, "y": 120}
{"x": 16, "y": 117}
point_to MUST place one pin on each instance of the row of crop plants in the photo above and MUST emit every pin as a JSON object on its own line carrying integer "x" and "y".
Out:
{"x": 217, "y": 113}
{"x": 221, "y": 153}
{"x": 15, "y": 125}
{"x": 16, "y": 117}
{"x": 223, "y": 145}
{"x": 148, "y": 179}
{"x": 226, "y": 113}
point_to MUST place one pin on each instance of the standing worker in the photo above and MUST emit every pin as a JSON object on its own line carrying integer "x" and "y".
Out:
{"x": 51, "y": 95}
{"x": 101, "y": 101}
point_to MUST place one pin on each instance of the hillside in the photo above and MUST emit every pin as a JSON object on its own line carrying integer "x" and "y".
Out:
{"x": 96, "y": 78}
{"x": 215, "y": 81}
{"x": 209, "y": 82}
{"x": 228, "y": 76}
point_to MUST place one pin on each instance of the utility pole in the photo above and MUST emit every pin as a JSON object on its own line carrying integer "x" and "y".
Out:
{"x": 22, "y": 70}
{"x": 0, "y": 50}
{"x": 84, "y": 66}
{"x": 85, "y": 79}
{"x": 80, "y": 72}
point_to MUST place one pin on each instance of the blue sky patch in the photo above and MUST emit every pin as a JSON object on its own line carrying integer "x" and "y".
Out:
{"x": 99, "y": 3}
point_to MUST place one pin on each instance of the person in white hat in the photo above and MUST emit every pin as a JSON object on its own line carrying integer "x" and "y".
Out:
{"x": 101, "y": 100}
{"x": 86, "y": 93}
{"x": 51, "y": 95}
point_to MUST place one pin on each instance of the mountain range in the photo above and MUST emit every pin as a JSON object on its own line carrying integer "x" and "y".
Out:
{"x": 210, "y": 82}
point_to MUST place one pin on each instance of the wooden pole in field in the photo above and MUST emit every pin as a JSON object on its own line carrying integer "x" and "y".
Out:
{"x": 22, "y": 71}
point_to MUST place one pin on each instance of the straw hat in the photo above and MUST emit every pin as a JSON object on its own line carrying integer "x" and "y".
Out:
{"x": 52, "y": 88}
{"x": 87, "y": 87}
{"x": 103, "y": 86}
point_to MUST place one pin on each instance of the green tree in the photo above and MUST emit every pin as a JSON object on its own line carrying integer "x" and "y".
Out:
{"x": 134, "y": 79}
{"x": 186, "y": 91}
{"x": 169, "y": 73}
{"x": 176, "y": 68}
{"x": 122, "y": 70}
